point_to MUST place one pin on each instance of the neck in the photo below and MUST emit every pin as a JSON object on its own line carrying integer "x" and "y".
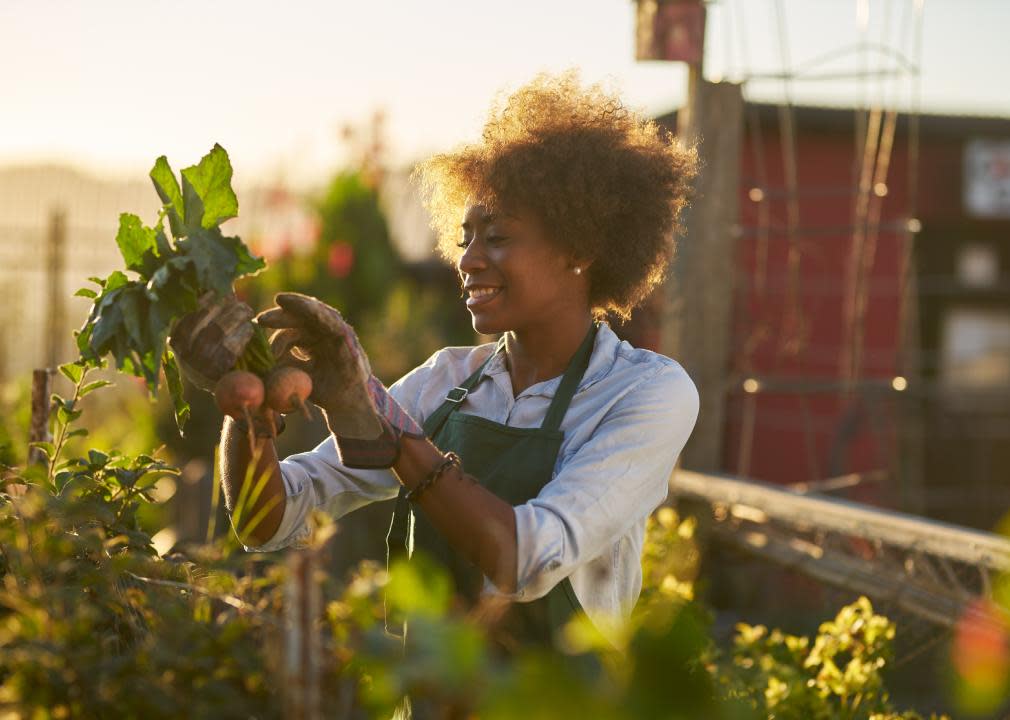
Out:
{"x": 538, "y": 354}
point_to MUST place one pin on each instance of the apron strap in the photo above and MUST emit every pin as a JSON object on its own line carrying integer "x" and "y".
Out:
{"x": 570, "y": 381}
{"x": 399, "y": 527}
{"x": 454, "y": 398}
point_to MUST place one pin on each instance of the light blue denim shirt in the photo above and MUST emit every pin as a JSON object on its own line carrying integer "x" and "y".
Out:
{"x": 627, "y": 424}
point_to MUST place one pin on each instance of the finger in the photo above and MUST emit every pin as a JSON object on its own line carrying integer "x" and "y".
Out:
{"x": 289, "y": 360}
{"x": 297, "y": 303}
{"x": 307, "y": 307}
{"x": 282, "y": 341}
{"x": 279, "y": 318}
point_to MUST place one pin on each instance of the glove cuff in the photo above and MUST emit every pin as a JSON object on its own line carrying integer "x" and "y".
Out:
{"x": 378, "y": 453}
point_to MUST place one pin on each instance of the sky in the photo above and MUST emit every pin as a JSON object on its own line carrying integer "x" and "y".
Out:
{"x": 108, "y": 85}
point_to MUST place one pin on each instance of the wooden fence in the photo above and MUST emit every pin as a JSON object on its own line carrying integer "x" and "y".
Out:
{"x": 931, "y": 569}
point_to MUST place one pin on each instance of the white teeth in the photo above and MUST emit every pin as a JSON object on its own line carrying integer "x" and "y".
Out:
{"x": 481, "y": 292}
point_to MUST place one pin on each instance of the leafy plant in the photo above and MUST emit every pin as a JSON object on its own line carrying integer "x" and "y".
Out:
{"x": 131, "y": 316}
{"x": 837, "y": 676}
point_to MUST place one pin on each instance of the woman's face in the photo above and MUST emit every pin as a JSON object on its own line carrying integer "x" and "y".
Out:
{"x": 514, "y": 277}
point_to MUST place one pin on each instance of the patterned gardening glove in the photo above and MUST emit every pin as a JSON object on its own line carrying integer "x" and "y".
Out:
{"x": 208, "y": 342}
{"x": 365, "y": 420}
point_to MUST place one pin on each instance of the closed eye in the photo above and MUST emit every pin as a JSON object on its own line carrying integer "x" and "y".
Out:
{"x": 490, "y": 239}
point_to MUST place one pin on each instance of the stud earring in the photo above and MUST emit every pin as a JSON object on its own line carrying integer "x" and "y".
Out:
{"x": 578, "y": 271}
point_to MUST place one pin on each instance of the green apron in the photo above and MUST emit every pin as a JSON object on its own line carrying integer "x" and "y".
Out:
{"x": 514, "y": 464}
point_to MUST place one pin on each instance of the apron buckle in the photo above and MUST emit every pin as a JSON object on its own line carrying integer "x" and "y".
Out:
{"x": 456, "y": 395}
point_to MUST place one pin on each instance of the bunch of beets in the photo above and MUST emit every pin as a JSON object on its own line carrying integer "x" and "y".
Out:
{"x": 170, "y": 283}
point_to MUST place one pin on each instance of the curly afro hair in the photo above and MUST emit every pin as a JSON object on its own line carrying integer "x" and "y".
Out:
{"x": 608, "y": 183}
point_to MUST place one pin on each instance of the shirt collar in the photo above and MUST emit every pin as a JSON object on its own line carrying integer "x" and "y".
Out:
{"x": 601, "y": 360}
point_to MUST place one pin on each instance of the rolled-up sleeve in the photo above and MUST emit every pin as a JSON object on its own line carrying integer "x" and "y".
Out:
{"x": 611, "y": 482}
{"x": 316, "y": 480}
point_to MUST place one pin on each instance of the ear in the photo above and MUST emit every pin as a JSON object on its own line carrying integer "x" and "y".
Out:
{"x": 580, "y": 263}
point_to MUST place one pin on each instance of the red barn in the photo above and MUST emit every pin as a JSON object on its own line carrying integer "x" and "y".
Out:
{"x": 871, "y": 336}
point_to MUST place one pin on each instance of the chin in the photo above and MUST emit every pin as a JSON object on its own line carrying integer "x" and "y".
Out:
{"x": 487, "y": 325}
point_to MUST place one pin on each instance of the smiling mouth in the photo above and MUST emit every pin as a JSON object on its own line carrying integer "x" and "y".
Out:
{"x": 481, "y": 295}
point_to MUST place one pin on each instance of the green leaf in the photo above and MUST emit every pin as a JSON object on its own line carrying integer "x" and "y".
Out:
{"x": 92, "y": 386}
{"x": 46, "y": 447}
{"x": 214, "y": 258}
{"x": 62, "y": 478}
{"x": 163, "y": 247}
{"x": 115, "y": 280}
{"x": 194, "y": 208}
{"x": 246, "y": 262}
{"x": 419, "y": 587}
{"x": 173, "y": 287}
{"x": 210, "y": 180}
{"x": 79, "y": 432}
{"x": 136, "y": 241}
{"x": 133, "y": 307}
{"x": 72, "y": 462}
{"x": 106, "y": 326}
{"x": 151, "y": 363}
{"x": 168, "y": 190}
{"x": 86, "y": 292}
{"x": 83, "y": 340}
{"x": 174, "y": 380}
{"x": 73, "y": 372}
{"x": 65, "y": 416}
{"x": 97, "y": 458}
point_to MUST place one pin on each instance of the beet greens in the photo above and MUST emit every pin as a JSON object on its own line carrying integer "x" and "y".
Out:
{"x": 165, "y": 278}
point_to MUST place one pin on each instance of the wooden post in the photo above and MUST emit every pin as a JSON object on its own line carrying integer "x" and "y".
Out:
{"x": 911, "y": 404}
{"x": 39, "y": 430}
{"x": 301, "y": 652}
{"x": 696, "y": 328}
{"x": 55, "y": 310}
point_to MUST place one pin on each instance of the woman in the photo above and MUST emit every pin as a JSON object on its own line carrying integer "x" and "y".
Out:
{"x": 529, "y": 465}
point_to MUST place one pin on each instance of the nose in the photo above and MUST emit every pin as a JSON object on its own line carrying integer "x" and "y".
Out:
{"x": 472, "y": 260}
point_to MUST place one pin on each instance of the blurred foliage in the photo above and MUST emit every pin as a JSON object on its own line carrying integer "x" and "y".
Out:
{"x": 15, "y": 416}
{"x": 94, "y": 623}
{"x": 670, "y": 557}
{"x": 837, "y": 675}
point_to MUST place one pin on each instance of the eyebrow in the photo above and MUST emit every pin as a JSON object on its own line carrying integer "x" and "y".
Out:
{"x": 486, "y": 220}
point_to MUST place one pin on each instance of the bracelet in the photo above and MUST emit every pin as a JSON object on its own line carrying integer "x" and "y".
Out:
{"x": 450, "y": 459}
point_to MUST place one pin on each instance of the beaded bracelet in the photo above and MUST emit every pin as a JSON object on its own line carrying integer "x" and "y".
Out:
{"x": 451, "y": 459}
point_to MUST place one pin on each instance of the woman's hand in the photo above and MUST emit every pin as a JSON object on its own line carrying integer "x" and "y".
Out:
{"x": 313, "y": 336}
{"x": 361, "y": 414}
{"x": 208, "y": 342}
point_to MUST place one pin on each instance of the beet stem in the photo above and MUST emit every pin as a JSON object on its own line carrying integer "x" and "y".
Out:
{"x": 249, "y": 427}
{"x": 302, "y": 406}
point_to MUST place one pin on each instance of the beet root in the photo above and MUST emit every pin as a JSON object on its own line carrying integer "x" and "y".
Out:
{"x": 287, "y": 389}
{"x": 239, "y": 394}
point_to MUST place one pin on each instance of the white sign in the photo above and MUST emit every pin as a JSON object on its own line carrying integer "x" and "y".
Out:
{"x": 975, "y": 351}
{"x": 987, "y": 178}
